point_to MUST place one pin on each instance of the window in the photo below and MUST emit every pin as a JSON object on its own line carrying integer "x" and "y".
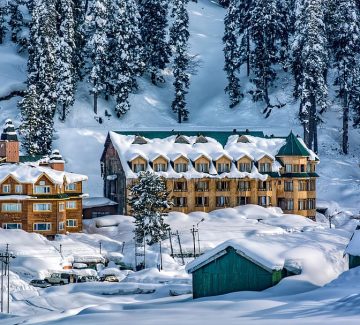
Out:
{"x": 264, "y": 167}
{"x": 295, "y": 168}
{"x": 46, "y": 226}
{"x": 264, "y": 201}
{"x": 312, "y": 185}
{"x": 181, "y": 168}
{"x": 223, "y": 168}
{"x": 311, "y": 204}
{"x": 180, "y": 186}
{"x": 6, "y": 188}
{"x": 70, "y": 187}
{"x": 42, "y": 206}
{"x": 71, "y": 205}
{"x": 308, "y": 168}
{"x": 223, "y": 186}
{"x": 289, "y": 204}
{"x": 222, "y": 201}
{"x": 12, "y": 225}
{"x": 61, "y": 207}
{"x": 302, "y": 185}
{"x": 42, "y": 183}
{"x": 288, "y": 168}
{"x": 180, "y": 201}
{"x": 71, "y": 223}
{"x": 11, "y": 207}
{"x": 61, "y": 225}
{"x": 18, "y": 189}
{"x": 138, "y": 168}
{"x": 302, "y": 168}
{"x": 245, "y": 167}
{"x": 202, "y": 186}
{"x": 244, "y": 186}
{"x": 264, "y": 186}
{"x": 201, "y": 201}
{"x": 302, "y": 204}
{"x": 243, "y": 200}
{"x": 42, "y": 189}
{"x": 288, "y": 186}
{"x": 160, "y": 167}
{"x": 202, "y": 168}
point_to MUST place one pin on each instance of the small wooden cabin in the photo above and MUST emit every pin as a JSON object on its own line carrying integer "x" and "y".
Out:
{"x": 94, "y": 207}
{"x": 227, "y": 268}
{"x": 353, "y": 249}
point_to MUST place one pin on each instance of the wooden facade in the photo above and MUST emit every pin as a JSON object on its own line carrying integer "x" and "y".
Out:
{"x": 232, "y": 271}
{"x": 293, "y": 187}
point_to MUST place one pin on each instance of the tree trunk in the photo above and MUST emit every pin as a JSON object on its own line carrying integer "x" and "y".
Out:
{"x": 311, "y": 121}
{"x": 95, "y": 103}
{"x": 86, "y": 6}
{"x": 345, "y": 138}
{"x": 153, "y": 78}
{"x": 248, "y": 53}
{"x": 179, "y": 116}
{"x": 63, "y": 112}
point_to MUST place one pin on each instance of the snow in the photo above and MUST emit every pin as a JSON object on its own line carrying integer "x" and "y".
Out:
{"x": 354, "y": 246}
{"x": 92, "y": 202}
{"x": 30, "y": 174}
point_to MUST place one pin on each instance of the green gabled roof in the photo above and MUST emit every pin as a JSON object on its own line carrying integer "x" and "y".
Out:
{"x": 220, "y": 136}
{"x": 34, "y": 158}
{"x": 293, "y": 147}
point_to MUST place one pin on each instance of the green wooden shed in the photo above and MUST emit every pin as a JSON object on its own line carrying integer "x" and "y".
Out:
{"x": 353, "y": 249}
{"x": 229, "y": 268}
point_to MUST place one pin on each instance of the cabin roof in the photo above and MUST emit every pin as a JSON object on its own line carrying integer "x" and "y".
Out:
{"x": 293, "y": 147}
{"x": 353, "y": 248}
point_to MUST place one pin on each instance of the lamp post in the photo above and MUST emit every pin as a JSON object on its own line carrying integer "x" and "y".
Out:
{"x": 332, "y": 216}
{"x": 198, "y": 234}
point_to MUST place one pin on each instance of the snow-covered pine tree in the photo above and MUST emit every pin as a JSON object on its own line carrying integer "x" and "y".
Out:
{"x": 65, "y": 69}
{"x": 16, "y": 19}
{"x": 153, "y": 32}
{"x": 179, "y": 38}
{"x": 345, "y": 45}
{"x": 224, "y": 3}
{"x": 312, "y": 59}
{"x": 97, "y": 44}
{"x": 125, "y": 51}
{"x": 79, "y": 38}
{"x": 149, "y": 201}
{"x": 266, "y": 30}
{"x": 231, "y": 52}
{"x": 3, "y": 12}
{"x": 42, "y": 72}
{"x": 243, "y": 22}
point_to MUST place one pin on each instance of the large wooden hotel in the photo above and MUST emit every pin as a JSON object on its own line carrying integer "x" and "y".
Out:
{"x": 205, "y": 171}
{"x": 36, "y": 194}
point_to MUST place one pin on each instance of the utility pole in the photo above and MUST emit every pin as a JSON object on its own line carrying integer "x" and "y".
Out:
{"x": 171, "y": 246}
{"x": 181, "y": 252}
{"x": 5, "y": 270}
{"x": 161, "y": 261}
{"x": 198, "y": 234}
{"x": 2, "y": 284}
{"x": 193, "y": 235}
{"x": 8, "y": 278}
{"x": 60, "y": 249}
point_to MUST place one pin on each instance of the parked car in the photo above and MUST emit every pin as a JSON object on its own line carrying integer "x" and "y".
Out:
{"x": 109, "y": 278}
{"x": 40, "y": 283}
{"x": 58, "y": 278}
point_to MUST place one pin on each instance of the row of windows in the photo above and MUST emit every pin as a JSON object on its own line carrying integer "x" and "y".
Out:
{"x": 42, "y": 226}
{"x": 38, "y": 207}
{"x": 289, "y": 168}
{"x": 38, "y": 189}
{"x": 304, "y": 204}
{"x": 203, "y": 167}
{"x": 308, "y": 185}
{"x": 221, "y": 186}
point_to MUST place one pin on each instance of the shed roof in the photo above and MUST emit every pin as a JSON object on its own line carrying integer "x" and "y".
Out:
{"x": 353, "y": 248}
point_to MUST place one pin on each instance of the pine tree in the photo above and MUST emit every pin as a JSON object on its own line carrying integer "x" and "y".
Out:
{"x": 345, "y": 31}
{"x": 3, "y": 12}
{"x": 149, "y": 202}
{"x": 125, "y": 52}
{"x": 265, "y": 31}
{"x": 79, "y": 11}
{"x": 231, "y": 51}
{"x": 16, "y": 22}
{"x": 243, "y": 23}
{"x": 179, "y": 38}
{"x": 310, "y": 66}
{"x": 153, "y": 31}
{"x": 65, "y": 69}
{"x": 97, "y": 47}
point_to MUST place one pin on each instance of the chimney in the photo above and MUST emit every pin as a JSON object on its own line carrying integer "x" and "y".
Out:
{"x": 56, "y": 161}
{"x": 9, "y": 144}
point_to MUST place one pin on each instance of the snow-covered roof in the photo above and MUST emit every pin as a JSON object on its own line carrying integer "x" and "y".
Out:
{"x": 256, "y": 148}
{"x": 30, "y": 174}
{"x": 259, "y": 252}
{"x": 92, "y": 202}
{"x": 354, "y": 245}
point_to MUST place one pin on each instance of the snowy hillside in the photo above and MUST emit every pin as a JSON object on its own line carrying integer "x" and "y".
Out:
{"x": 81, "y": 138}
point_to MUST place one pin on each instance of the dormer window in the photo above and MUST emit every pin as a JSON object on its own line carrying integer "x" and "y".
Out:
{"x": 137, "y": 168}
{"x": 264, "y": 167}
{"x": 139, "y": 140}
{"x": 202, "y": 167}
{"x": 181, "y": 167}
{"x": 18, "y": 189}
{"x": 245, "y": 167}
{"x": 223, "y": 167}
{"x": 42, "y": 189}
{"x": 181, "y": 139}
{"x": 160, "y": 167}
{"x": 201, "y": 139}
{"x": 6, "y": 188}
{"x": 288, "y": 168}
